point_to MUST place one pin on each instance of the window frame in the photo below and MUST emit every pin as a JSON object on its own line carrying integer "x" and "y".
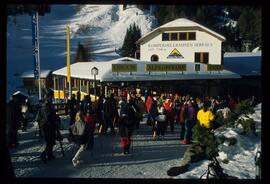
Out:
{"x": 176, "y": 39}
{"x": 162, "y": 37}
{"x": 192, "y": 33}
{"x": 201, "y": 56}
{"x": 186, "y": 37}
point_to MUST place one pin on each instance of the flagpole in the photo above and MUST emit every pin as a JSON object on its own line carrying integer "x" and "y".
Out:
{"x": 35, "y": 50}
{"x": 38, "y": 57}
{"x": 68, "y": 61}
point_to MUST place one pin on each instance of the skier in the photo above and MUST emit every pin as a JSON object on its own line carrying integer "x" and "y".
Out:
{"x": 81, "y": 132}
{"x": 124, "y": 134}
{"x": 109, "y": 113}
{"x": 89, "y": 119}
{"x": 47, "y": 120}
{"x": 72, "y": 108}
{"x": 126, "y": 125}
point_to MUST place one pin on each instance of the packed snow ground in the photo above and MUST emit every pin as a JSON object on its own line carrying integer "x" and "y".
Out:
{"x": 151, "y": 159}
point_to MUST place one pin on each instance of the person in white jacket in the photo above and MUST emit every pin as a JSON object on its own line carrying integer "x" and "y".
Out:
{"x": 81, "y": 132}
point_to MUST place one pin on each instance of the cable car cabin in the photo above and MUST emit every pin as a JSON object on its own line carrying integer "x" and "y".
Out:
{"x": 83, "y": 86}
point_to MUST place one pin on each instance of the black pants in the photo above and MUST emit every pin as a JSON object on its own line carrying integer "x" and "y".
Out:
{"x": 171, "y": 125}
{"x": 108, "y": 123}
{"x": 161, "y": 126}
{"x": 72, "y": 118}
{"x": 12, "y": 136}
{"x": 48, "y": 152}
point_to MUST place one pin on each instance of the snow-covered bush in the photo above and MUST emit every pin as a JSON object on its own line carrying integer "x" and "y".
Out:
{"x": 244, "y": 107}
{"x": 205, "y": 138}
{"x": 248, "y": 125}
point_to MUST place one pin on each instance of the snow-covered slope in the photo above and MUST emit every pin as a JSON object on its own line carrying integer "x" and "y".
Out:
{"x": 104, "y": 26}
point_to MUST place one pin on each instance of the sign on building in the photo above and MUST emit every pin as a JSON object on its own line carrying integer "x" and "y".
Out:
{"x": 124, "y": 67}
{"x": 165, "y": 67}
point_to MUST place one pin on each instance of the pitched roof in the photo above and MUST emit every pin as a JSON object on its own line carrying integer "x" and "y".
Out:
{"x": 30, "y": 74}
{"x": 182, "y": 23}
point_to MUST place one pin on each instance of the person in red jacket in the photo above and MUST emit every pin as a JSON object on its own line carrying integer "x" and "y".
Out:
{"x": 89, "y": 119}
{"x": 148, "y": 103}
{"x": 170, "y": 114}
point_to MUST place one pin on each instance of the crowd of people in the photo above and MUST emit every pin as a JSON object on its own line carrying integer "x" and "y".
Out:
{"x": 164, "y": 111}
{"x": 124, "y": 114}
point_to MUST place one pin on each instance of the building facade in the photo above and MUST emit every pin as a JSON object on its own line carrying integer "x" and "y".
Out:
{"x": 182, "y": 40}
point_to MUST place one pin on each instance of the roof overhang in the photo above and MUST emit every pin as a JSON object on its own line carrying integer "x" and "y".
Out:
{"x": 82, "y": 71}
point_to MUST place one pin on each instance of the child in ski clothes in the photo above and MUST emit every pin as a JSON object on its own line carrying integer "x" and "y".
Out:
{"x": 161, "y": 123}
{"x": 81, "y": 132}
{"x": 89, "y": 119}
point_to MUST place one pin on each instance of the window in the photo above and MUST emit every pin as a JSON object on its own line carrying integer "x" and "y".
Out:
{"x": 197, "y": 57}
{"x": 154, "y": 58}
{"x": 191, "y": 36}
{"x": 178, "y": 36}
{"x": 205, "y": 57}
{"x": 202, "y": 57}
{"x": 60, "y": 83}
{"x": 182, "y": 36}
{"x": 197, "y": 67}
{"x": 174, "y": 36}
{"x": 165, "y": 36}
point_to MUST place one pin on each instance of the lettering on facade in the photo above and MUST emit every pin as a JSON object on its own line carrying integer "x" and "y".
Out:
{"x": 162, "y": 45}
{"x": 165, "y": 67}
{"x": 124, "y": 68}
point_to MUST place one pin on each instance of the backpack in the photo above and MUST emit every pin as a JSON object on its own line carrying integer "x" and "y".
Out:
{"x": 77, "y": 128}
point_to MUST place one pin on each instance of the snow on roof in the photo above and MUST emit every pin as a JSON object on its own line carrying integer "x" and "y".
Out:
{"x": 30, "y": 74}
{"x": 182, "y": 22}
{"x": 243, "y": 63}
{"x": 126, "y": 59}
{"x": 82, "y": 70}
{"x": 242, "y": 54}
